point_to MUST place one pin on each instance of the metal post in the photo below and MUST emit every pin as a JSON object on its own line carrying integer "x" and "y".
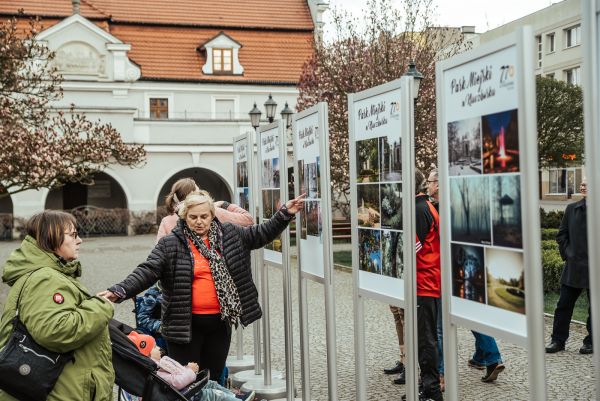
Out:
{"x": 592, "y": 152}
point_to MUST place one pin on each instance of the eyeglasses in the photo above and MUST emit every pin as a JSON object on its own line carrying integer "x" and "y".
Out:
{"x": 73, "y": 234}
{"x": 432, "y": 181}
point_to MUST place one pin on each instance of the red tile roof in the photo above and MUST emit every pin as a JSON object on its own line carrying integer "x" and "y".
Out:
{"x": 276, "y": 37}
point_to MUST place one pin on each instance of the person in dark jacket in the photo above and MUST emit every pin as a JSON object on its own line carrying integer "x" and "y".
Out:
{"x": 573, "y": 247}
{"x": 204, "y": 270}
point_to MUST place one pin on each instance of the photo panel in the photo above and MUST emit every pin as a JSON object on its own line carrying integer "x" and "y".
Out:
{"x": 505, "y": 279}
{"x": 369, "y": 251}
{"x": 318, "y": 177}
{"x": 368, "y": 205}
{"x": 267, "y": 203}
{"x": 241, "y": 173}
{"x": 464, "y": 147}
{"x": 303, "y": 221}
{"x": 391, "y": 206}
{"x": 312, "y": 218}
{"x": 500, "y": 132}
{"x": 367, "y": 160}
{"x": 392, "y": 264}
{"x": 507, "y": 228}
{"x": 313, "y": 180}
{"x": 275, "y": 175}
{"x": 468, "y": 272}
{"x": 390, "y": 151}
{"x": 301, "y": 178}
{"x": 470, "y": 209}
{"x": 267, "y": 173}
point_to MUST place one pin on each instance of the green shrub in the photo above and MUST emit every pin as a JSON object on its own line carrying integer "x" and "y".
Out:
{"x": 551, "y": 219}
{"x": 143, "y": 222}
{"x": 549, "y": 244}
{"x": 549, "y": 234}
{"x": 552, "y": 265}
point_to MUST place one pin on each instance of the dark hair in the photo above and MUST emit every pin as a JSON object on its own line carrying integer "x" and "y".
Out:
{"x": 182, "y": 188}
{"x": 419, "y": 181}
{"x": 48, "y": 228}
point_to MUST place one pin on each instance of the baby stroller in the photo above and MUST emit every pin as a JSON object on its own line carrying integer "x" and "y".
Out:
{"x": 136, "y": 373}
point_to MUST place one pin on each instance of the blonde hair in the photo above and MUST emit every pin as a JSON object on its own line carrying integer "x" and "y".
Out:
{"x": 179, "y": 191}
{"x": 194, "y": 199}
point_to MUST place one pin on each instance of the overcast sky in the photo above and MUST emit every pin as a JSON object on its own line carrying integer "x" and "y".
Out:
{"x": 483, "y": 14}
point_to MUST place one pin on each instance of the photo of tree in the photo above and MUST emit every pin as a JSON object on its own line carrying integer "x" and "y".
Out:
{"x": 275, "y": 174}
{"x": 267, "y": 203}
{"x": 368, "y": 206}
{"x": 242, "y": 174}
{"x": 500, "y": 133}
{"x": 303, "y": 222}
{"x": 301, "y": 178}
{"x": 506, "y": 210}
{"x": 390, "y": 152}
{"x": 391, "y": 206}
{"x": 505, "y": 279}
{"x": 311, "y": 172}
{"x": 369, "y": 251}
{"x": 312, "y": 217}
{"x": 367, "y": 160}
{"x": 243, "y": 199}
{"x": 464, "y": 147}
{"x": 470, "y": 209}
{"x": 468, "y": 272}
{"x": 267, "y": 174}
{"x": 392, "y": 264}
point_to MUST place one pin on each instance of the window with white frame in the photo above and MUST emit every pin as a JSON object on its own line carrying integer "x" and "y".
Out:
{"x": 573, "y": 36}
{"x": 222, "y": 61}
{"x": 565, "y": 181}
{"x": 224, "y": 109}
{"x": 573, "y": 76}
{"x": 550, "y": 43}
{"x": 538, "y": 39}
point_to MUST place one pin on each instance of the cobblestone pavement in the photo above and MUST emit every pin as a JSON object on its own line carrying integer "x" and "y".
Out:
{"x": 569, "y": 374}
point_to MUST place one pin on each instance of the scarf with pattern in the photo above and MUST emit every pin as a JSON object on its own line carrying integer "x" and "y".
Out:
{"x": 229, "y": 299}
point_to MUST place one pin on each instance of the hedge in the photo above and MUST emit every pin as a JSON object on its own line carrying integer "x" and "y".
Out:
{"x": 553, "y": 266}
{"x": 549, "y": 234}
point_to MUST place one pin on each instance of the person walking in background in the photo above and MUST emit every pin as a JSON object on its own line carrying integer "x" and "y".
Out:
{"x": 204, "y": 269}
{"x": 398, "y": 369}
{"x": 224, "y": 211}
{"x": 573, "y": 246}
{"x": 486, "y": 356}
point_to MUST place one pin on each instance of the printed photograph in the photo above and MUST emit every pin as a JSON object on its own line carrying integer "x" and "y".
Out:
{"x": 275, "y": 173}
{"x": 506, "y": 210}
{"x": 312, "y": 217}
{"x": 276, "y": 244}
{"x": 267, "y": 203}
{"x": 242, "y": 174}
{"x": 312, "y": 173}
{"x": 505, "y": 279}
{"x": 276, "y": 200}
{"x": 243, "y": 199}
{"x": 302, "y": 178}
{"x": 468, "y": 274}
{"x": 464, "y": 147}
{"x": 500, "y": 132}
{"x": 269, "y": 246}
{"x": 303, "y": 222}
{"x": 367, "y": 160}
{"x": 267, "y": 171}
{"x": 390, "y": 152}
{"x": 391, "y": 206}
{"x": 369, "y": 251}
{"x": 392, "y": 264}
{"x": 368, "y": 206}
{"x": 470, "y": 209}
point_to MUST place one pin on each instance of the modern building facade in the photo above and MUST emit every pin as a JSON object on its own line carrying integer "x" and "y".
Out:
{"x": 178, "y": 77}
{"x": 557, "y": 30}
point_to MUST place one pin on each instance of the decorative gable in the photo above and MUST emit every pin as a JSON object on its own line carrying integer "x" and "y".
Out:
{"x": 94, "y": 55}
{"x": 222, "y": 56}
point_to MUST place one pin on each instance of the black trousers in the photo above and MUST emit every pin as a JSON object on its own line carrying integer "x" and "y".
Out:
{"x": 428, "y": 346}
{"x": 564, "y": 312}
{"x": 209, "y": 347}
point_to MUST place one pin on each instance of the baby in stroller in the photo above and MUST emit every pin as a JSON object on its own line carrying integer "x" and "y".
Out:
{"x": 180, "y": 376}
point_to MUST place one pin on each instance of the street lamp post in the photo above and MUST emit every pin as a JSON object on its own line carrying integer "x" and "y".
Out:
{"x": 416, "y": 74}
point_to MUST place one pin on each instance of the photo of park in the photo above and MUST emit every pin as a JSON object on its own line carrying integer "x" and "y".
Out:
{"x": 506, "y": 210}
{"x": 242, "y": 174}
{"x": 468, "y": 272}
{"x": 313, "y": 210}
{"x": 470, "y": 209}
{"x": 367, "y": 160}
{"x": 368, "y": 205}
{"x": 392, "y": 264}
{"x": 464, "y": 147}
{"x": 390, "y": 152}
{"x": 391, "y": 206}
{"x": 505, "y": 279}
{"x": 369, "y": 251}
{"x": 500, "y": 132}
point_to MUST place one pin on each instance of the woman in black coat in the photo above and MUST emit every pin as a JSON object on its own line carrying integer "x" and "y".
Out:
{"x": 204, "y": 270}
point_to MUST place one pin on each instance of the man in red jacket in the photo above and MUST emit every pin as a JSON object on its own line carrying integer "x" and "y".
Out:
{"x": 427, "y": 223}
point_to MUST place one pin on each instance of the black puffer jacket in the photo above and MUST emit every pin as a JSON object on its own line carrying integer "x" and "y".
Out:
{"x": 171, "y": 262}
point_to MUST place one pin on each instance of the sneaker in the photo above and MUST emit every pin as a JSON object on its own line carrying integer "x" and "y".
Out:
{"x": 398, "y": 368}
{"x": 474, "y": 364}
{"x": 492, "y": 372}
{"x": 246, "y": 396}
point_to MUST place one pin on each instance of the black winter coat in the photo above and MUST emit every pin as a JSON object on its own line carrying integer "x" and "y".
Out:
{"x": 573, "y": 247}
{"x": 171, "y": 262}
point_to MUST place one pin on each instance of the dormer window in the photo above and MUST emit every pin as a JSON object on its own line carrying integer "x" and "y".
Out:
{"x": 222, "y": 61}
{"x": 222, "y": 56}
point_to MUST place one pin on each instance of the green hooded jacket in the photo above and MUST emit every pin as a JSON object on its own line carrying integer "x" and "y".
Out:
{"x": 62, "y": 316}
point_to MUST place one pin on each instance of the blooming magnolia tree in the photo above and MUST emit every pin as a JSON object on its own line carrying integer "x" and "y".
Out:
{"x": 40, "y": 146}
{"x": 357, "y": 60}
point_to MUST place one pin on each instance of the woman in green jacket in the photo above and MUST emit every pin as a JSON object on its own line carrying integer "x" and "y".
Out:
{"x": 57, "y": 309}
